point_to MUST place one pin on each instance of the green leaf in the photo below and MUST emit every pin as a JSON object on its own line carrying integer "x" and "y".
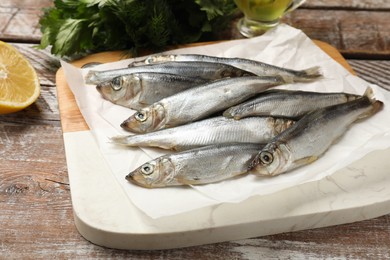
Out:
{"x": 75, "y": 27}
{"x": 67, "y": 40}
{"x": 215, "y": 8}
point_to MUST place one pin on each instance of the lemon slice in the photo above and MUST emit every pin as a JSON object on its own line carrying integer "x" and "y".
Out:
{"x": 19, "y": 84}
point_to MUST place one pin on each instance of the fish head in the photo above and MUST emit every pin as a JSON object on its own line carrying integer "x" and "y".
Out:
{"x": 146, "y": 120}
{"x": 271, "y": 160}
{"x": 235, "y": 112}
{"x": 120, "y": 89}
{"x": 153, "y": 174}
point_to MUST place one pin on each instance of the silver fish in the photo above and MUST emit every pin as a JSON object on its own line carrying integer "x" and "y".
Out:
{"x": 203, "y": 70}
{"x": 311, "y": 136}
{"x": 216, "y": 130}
{"x": 197, "y": 166}
{"x": 256, "y": 67}
{"x": 197, "y": 103}
{"x": 295, "y": 103}
{"x": 139, "y": 90}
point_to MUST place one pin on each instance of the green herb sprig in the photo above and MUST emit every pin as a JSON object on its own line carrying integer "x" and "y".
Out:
{"x": 78, "y": 27}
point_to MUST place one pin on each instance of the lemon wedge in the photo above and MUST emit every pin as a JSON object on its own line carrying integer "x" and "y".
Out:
{"x": 19, "y": 84}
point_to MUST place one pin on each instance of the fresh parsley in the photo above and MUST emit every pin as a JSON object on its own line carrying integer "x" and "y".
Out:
{"x": 78, "y": 27}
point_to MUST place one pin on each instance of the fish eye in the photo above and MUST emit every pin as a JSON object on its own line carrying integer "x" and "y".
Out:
{"x": 140, "y": 116}
{"x": 147, "y": 169}
{"x": 149, "y": 60}
{"x": 266, "y": 158}
{"x": 116, "y": 84}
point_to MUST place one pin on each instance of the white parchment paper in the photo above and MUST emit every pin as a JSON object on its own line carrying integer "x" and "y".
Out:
{"x": 283, "y": 46}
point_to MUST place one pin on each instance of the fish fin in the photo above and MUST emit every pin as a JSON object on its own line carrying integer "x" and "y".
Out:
{"x": 306, "y": 160}
{"x": 183, "y": 181}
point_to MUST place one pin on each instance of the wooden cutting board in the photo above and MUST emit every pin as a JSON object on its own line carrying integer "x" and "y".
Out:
{"x": 71, "y": 118}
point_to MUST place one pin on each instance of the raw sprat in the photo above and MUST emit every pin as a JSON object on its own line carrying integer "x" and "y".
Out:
{"x": 256, "y": 67}
{"x": 198, "y": 103}
{"x": 295, "y": 103}
{"x": 310, "y": 137}
{"x": 215, "y": 130}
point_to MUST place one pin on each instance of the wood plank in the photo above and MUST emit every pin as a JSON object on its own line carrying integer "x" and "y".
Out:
{"x": 348, "y": 4}
{"x": 355, "y": 33}
{"x": 373, "y": 71}
{"x": 36, "y": 213}
{"x": 44, "y": 111}
{"x": 359, "y": 33}
{"x": 26, "y": 4}
{"x": 19, "y": 20}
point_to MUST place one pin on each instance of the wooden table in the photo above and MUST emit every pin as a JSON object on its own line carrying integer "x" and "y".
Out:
{"x": 36, "y": 218}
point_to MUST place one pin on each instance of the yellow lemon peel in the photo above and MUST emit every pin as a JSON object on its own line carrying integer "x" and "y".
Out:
{"x": 19, "y": 83}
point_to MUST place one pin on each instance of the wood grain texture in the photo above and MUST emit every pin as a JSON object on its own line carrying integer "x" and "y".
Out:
{"x": 19, "y": 20}
{"x": 36, "y": 214}
{"x": 374, "y": 71}
{"x": 356, "y": 28}
{"x": 358, "y": 33}
{"x": 348, "y": 4}
{"x": 36, "y": 219}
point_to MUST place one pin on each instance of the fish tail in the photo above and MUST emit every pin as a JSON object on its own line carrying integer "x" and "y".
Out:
{"x": 313, "y": 72}
{"x": 308, "y": 74}
{"x": 376, "y": 105}
{"x": 121, "y": 140}
{"x": 288, "y": 79}
{"x": 370, "y": 94}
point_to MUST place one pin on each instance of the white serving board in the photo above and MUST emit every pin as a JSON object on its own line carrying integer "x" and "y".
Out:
{"x": 105, "y": 216}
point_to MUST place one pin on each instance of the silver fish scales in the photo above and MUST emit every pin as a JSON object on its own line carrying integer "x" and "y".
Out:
{"x": 311, "y": 136}
{"x": 256, "y": 67}
{"x": 204, "y": 70}
{"x": 142, "y": 89}
{"x": 198, "y": 103}
{"x": 216, "y": 130}
{"x": 287, "y": 103}
{"x": 202, "y": 165}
